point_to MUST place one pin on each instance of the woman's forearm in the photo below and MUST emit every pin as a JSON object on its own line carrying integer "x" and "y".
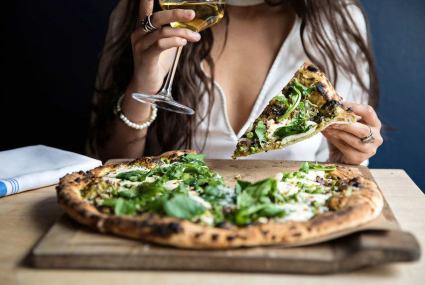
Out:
{"x": 126, "y": 142}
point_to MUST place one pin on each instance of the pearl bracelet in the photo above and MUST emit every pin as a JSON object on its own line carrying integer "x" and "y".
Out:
{"x": 129, "y": 123}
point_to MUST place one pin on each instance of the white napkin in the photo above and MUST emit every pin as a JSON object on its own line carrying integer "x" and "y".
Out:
{"x": 38, "y": 166}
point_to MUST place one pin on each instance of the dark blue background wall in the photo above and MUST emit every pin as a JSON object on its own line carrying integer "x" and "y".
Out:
{"x": 398, "y": 31}
{"x": 50, "y": 53}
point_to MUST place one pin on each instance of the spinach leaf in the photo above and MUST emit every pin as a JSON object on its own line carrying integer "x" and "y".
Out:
{"x": 256, "y": 200}
{"x": 121, "y": 206}
{"x": 261, "y": 132}
{"x": 290, "y": 130}
{"x": 194, "y": 157}
{"x": 183, "y": 207}
{"x": 297, "y": 126}
{"x": 134, "y": 176}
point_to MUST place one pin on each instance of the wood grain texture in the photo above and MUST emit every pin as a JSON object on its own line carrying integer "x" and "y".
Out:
{"x": 69, "y": 245}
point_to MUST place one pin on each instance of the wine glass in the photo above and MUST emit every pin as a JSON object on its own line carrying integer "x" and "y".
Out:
{"x": 208, "y": 13}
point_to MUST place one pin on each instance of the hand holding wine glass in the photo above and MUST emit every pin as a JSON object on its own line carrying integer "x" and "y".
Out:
{"x": 155, "y": 47}
{"x": 153, "y": 52}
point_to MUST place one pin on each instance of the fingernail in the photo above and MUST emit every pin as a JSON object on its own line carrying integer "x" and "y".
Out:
{"x": 196, "y": 35}
{"x": 183, "y": 41}
{"x": 336, "y": 126}
{"x": 190, "y": 14}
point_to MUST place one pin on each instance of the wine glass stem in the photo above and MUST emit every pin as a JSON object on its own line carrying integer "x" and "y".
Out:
{"x": 170, "y": 77}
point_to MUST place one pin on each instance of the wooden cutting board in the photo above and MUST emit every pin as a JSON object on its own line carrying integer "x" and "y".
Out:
{"x": 70, "y": 245}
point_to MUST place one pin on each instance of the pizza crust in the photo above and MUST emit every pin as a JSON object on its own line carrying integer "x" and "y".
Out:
{"x": 363, "y": 206}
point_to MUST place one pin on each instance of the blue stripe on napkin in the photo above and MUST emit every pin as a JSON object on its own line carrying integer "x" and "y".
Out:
{"x": 16, "y": 184}
{"x": 3, "y": 189}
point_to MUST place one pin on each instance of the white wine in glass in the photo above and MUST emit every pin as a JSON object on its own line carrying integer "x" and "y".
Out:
{"x": 208, "y": 13}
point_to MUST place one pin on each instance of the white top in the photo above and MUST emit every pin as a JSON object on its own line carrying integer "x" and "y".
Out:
{"x": 222, "y": 140}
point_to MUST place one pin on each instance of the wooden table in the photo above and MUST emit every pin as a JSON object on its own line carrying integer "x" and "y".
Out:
{"x": 24, "y": 218}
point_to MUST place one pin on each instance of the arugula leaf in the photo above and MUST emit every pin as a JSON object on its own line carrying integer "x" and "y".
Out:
{"x": 183, "y": 207}
{"x": 193, "y": 156}
{"x": 307, "y": 166}
{"x": 128, "y": 193}
{"x": 134, "y": 176}
{"x": 261, "y": 132}
{"x": 121, "y": 206}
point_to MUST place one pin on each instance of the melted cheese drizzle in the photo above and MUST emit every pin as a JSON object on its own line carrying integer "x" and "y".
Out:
{"x": 301, "y": 209}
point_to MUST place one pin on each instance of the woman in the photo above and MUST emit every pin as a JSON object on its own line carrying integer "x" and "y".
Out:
{"x": 229, "y": 73}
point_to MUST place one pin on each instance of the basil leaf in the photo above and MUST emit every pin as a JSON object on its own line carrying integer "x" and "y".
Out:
{"x": 183, "y": 207}
{"x": 261, "y": 132}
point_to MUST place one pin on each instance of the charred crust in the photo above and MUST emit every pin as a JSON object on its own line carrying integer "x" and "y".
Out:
{"x": 273, "y": 237}
{"x": 264, "y": 233}
{"x": 321, "y": 89}
{"x": 230, "y": 238}
{"x": 166, "y": 230}
{"x": 198, "y": 235}
{"x": 214, "y": 237}
{"x": 312, "y": 68}
{"x": 355, "y": 182}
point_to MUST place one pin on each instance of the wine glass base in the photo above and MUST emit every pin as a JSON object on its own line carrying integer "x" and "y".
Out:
{"x": 163, "y": 102}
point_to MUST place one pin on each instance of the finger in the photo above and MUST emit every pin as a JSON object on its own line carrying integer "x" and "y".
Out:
{"x": 352, "y": 141}
{"x": 357, "y": 129}
{"x": 350, "y": 155}
{"x": 166, "y": 17}
{"x": 144, "y": 42}
{"x": 367, "y": 113}
{"x": 145, "y": 8}
{"x": 163, "y": 44}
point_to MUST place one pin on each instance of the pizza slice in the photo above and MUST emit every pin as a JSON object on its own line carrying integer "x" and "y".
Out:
{"x": 307, "y": 105}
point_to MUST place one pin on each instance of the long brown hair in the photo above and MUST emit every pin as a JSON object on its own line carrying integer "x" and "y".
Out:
{"x": 332, "y": 24}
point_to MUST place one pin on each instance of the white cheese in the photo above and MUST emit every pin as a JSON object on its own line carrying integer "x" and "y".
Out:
{"x": 286, "y": 188}
{"x": 150, "y": 179}
{"x": 195, "y": 196}
{"x": 115, "y": 172}
{"x": 318, "y": 198}
{"x": 313, "y": 174}
{"x": 171, "y": 184}
{"x": 297, "y": 136}
{"x": 272, "y": 126}
{"x": 207, "y": 218}
{"x": 296, "y": 212}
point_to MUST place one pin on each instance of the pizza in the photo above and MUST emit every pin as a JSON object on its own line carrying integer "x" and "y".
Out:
{"x": 307, "y": 105}
{"x": 177, "y": 200}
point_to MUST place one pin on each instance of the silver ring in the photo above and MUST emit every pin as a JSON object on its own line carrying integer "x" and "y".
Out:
{"x": 370, "y": 138}
{"x": 146, "y": 24}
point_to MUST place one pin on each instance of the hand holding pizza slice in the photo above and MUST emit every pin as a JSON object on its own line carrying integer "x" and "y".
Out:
{"x": 307, "y": 105}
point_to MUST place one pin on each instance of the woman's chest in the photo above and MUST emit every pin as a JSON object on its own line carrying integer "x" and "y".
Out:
{"x": 243, "y": 62}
